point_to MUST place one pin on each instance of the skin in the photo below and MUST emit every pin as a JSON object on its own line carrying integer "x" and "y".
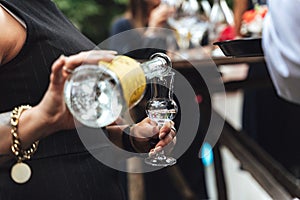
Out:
{"x": 159, "y": 15}
{"x": 240, "y": 6}
{"x": 51, "y": 114}
{"x": 156, "y": 16}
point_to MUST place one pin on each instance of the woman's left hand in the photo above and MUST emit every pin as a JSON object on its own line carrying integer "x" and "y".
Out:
{"x": 144, "y": 133}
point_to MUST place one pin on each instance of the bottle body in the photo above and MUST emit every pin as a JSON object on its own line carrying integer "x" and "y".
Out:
{"x": 221, "y": 17}
{"x": 96, "y": 95}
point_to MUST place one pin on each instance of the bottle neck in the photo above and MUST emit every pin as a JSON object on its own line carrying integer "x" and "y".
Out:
{"x": 158, "y": 64}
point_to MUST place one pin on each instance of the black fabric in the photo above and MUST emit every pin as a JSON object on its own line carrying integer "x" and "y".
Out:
{"x": 62, "y": 167}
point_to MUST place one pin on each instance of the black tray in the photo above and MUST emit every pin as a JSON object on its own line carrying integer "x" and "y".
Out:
{"x": 247, "y": 47}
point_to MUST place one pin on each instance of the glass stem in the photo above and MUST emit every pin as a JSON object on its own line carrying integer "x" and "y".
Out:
{"x": 160, "y": 155}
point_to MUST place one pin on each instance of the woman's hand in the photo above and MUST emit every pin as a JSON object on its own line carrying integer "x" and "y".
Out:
{"x": 159, "y": 15}
{"x": 53, "y": 107}
{"x": 147, "y": 131}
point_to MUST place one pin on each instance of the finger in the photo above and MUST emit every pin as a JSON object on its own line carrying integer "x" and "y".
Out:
{"x": 154, "y": 151}
{"x": 169, "y": 148}
{"x": 56, "y": 75}
{"x": 162, "y": 135}
{"x": 153, "y": 123}
{"x": 167, "y": 139}
{"x": 167, "y": 128}
{"x": 90, "y": 57}
{"x": 173, "y": 133}
{"x": 94, "y": 56}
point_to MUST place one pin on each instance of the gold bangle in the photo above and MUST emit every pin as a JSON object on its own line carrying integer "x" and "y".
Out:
{"x": 20, "y": 172}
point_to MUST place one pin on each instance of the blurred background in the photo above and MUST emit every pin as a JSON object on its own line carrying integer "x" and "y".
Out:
{"x": 94, "y": 17}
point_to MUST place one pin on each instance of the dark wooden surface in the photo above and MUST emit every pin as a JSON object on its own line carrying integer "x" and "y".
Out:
{"x": 202, "y": 61}
{"x": 275, "y": 179}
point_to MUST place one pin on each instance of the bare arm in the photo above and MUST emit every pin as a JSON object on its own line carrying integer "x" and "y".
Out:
{"x": 51, "y": 114}
{"x": 240, "y": 6}
{"x": 12, "y": 37}
{"x": 4, "y": 134}
{"x": 33, "y": 125}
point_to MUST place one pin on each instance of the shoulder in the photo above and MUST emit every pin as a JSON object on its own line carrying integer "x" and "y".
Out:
{"x": 2, "y": 35}
{"x": 120, "y": 24}
{"x": 12, "y": 37}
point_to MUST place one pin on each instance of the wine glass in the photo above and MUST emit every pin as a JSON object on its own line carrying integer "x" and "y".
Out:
{"x": 161, "y": 108}
{"x": 182, "y": 20}
{"x": 197, "y": 32}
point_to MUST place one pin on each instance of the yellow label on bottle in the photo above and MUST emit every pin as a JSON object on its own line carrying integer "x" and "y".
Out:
{"x": 131, "y": 76}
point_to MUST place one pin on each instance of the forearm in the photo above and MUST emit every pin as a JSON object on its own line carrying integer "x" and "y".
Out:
{"x": 240, "y": 6}
{"x": 5, "y": 137}
{"x": 115, "y": 134}
{"x": 32, "y": 127}
{"x": 123, "y": 137}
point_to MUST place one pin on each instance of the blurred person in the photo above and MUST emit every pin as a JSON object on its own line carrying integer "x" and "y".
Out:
{"x": 144, "y": 16}
{"x": 36, "y": 33}
{"x": 267, "y": 118}
{"x": 240, "y": 7}
{"x": 281, "y": 45}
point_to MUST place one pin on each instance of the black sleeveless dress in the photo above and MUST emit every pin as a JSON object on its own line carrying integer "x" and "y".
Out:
{"x": 62, "y": 168}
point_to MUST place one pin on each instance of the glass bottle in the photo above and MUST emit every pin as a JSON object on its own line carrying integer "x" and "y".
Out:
{"x": 220, "y": 18}
{"x": 96, "y": 95}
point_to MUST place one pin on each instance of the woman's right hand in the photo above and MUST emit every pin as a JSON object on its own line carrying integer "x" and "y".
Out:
{"x": 52, "y": 107}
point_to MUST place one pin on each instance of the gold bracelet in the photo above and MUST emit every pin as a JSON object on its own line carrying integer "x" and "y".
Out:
{"x": 20, "y": 172}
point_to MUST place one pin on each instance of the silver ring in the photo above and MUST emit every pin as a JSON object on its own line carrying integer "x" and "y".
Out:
{"x": 173, "y": 128}
{"x": 67, "y": 70}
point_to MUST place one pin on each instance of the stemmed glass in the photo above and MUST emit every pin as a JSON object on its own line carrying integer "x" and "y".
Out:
{"x": 197, "y": 32}
{"x": 182, "y": 20}
{"x": 161, "y": 108}
{"x": 188, "y": 23}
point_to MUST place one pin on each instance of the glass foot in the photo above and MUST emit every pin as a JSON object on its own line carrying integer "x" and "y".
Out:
{"x": 160, "y": 161}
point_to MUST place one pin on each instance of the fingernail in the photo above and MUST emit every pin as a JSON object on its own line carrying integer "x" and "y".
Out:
{"x": 158, "y": 149}
{"x": 162, "y": 135}
{"x": 151, "y": 153}
{"x": 114, "y": 52}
